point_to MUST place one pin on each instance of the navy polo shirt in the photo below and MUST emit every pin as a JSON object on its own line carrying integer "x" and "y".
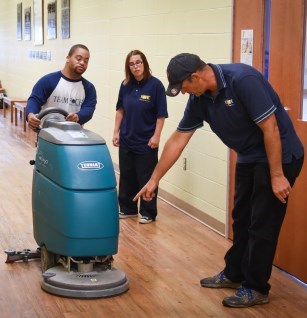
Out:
{"x": 244, "y": 99}
{"x": 143, "y": 102}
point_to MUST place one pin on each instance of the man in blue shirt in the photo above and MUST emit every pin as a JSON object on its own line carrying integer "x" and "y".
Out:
{"x": 245, "y": 112}
{"x": 65, "y": 89}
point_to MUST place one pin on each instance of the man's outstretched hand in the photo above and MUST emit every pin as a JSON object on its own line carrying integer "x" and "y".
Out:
{"x": 147, "y": 192}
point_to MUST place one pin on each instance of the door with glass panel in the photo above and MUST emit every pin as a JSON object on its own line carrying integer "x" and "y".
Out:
{"x": 279, "y": 53}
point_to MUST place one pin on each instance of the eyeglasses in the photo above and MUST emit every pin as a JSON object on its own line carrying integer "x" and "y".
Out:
{"x": 136, "y": 64}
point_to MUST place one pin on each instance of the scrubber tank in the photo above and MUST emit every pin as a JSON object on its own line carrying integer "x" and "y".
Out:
{"x": 75, "y": 210}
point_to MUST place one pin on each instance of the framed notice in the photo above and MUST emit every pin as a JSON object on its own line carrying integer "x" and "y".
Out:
{"x": 19, "y": 21}
{"x": 38, "y": 22}
{"x": 51, "y": 17}
{"x": 65, "y": 18}
{"x": 27, "y": 29}
{"x": 247, "y": 42}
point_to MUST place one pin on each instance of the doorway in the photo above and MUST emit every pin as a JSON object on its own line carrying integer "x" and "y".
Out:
{"x": 279, "y": 53}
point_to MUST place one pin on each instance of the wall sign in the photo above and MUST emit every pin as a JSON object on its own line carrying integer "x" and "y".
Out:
{"x": 51, "y": 17}
{"x": 65, "y": 19}
{"x": 27, "y": 30}
{"x": 38, "y": 22}
{"x": 247, "y": 41}
{"x": 19, "y": 21}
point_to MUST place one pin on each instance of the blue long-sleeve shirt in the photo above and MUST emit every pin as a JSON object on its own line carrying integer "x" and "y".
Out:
{"x": 56, "y": 90}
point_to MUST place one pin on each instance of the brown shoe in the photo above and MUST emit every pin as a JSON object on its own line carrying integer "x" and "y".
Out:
{"x": 219, "y": 281}
{"x": 246, "y": 297}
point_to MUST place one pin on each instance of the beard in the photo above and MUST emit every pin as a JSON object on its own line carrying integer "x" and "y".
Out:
{"x": 79, "y": 71}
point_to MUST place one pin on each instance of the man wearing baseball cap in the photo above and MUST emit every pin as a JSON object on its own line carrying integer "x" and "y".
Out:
{"x": 245, "y": 112}
{"x": 179, "y": 69}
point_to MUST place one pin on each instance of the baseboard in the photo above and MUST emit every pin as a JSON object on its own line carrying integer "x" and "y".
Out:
{"x": 193, "y": 212}
{"x": 189, "y": 210}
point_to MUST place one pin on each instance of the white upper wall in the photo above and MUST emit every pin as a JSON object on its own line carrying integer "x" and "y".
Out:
{"x": 112, "y": 28}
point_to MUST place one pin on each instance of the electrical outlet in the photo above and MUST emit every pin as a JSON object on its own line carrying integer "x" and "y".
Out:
{"x": 184, "y": 166}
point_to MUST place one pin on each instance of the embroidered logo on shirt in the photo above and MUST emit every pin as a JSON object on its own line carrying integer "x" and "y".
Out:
{"x": 145, "y": 98}
{"x": 229, "y": 102}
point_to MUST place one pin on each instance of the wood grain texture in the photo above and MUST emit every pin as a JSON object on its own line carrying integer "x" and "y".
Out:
{"x": 163, "y": 261}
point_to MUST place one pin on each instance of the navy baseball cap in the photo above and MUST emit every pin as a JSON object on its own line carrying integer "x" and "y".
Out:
{"x": 180, "y": 68}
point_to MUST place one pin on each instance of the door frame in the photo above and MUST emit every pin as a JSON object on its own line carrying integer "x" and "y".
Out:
{"x": 286, "y": 62}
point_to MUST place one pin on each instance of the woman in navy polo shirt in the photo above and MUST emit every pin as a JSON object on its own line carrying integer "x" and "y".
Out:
{"x": 140, "y": 112}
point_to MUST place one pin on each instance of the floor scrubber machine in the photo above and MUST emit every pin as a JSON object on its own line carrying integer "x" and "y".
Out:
{"x": 75, "y": 210}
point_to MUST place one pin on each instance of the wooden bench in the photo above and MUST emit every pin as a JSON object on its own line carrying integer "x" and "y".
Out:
{"x": 21, "y": 107}
{"x": 10, "y": 102}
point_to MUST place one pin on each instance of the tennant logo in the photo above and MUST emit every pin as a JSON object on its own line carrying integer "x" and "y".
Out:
{"x": 90, "y": 165}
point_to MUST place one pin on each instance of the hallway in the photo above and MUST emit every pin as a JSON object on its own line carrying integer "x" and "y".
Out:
{"x": 163, "y": 261}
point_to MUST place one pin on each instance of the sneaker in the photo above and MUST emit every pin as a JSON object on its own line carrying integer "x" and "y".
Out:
{"x": 219, "y": 281}
{"x": 146, "y": 220}
{"x": 245, "y": 297}
{"x": 123, "y": 215}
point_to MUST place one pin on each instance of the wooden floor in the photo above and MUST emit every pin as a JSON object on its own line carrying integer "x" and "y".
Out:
{"x": 163, "y": 261}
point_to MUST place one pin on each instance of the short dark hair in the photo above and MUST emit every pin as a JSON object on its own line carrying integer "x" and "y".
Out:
{"x": 128, "y": 73}
{"x": 77, "y": 46}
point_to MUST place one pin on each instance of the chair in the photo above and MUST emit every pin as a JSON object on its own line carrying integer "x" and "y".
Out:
{"x": 21, "y": 106}
{"x": 10, "y": 102}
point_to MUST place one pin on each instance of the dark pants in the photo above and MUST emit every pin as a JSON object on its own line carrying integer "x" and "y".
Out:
{"x": 135, "y": 171}
{"x": 257, "y": 220}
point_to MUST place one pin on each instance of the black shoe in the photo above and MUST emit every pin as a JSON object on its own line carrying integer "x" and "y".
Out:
{"x": 245, "y": 297}
{"x": 123, "y": 215}
{"x": 219, "y": 281}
